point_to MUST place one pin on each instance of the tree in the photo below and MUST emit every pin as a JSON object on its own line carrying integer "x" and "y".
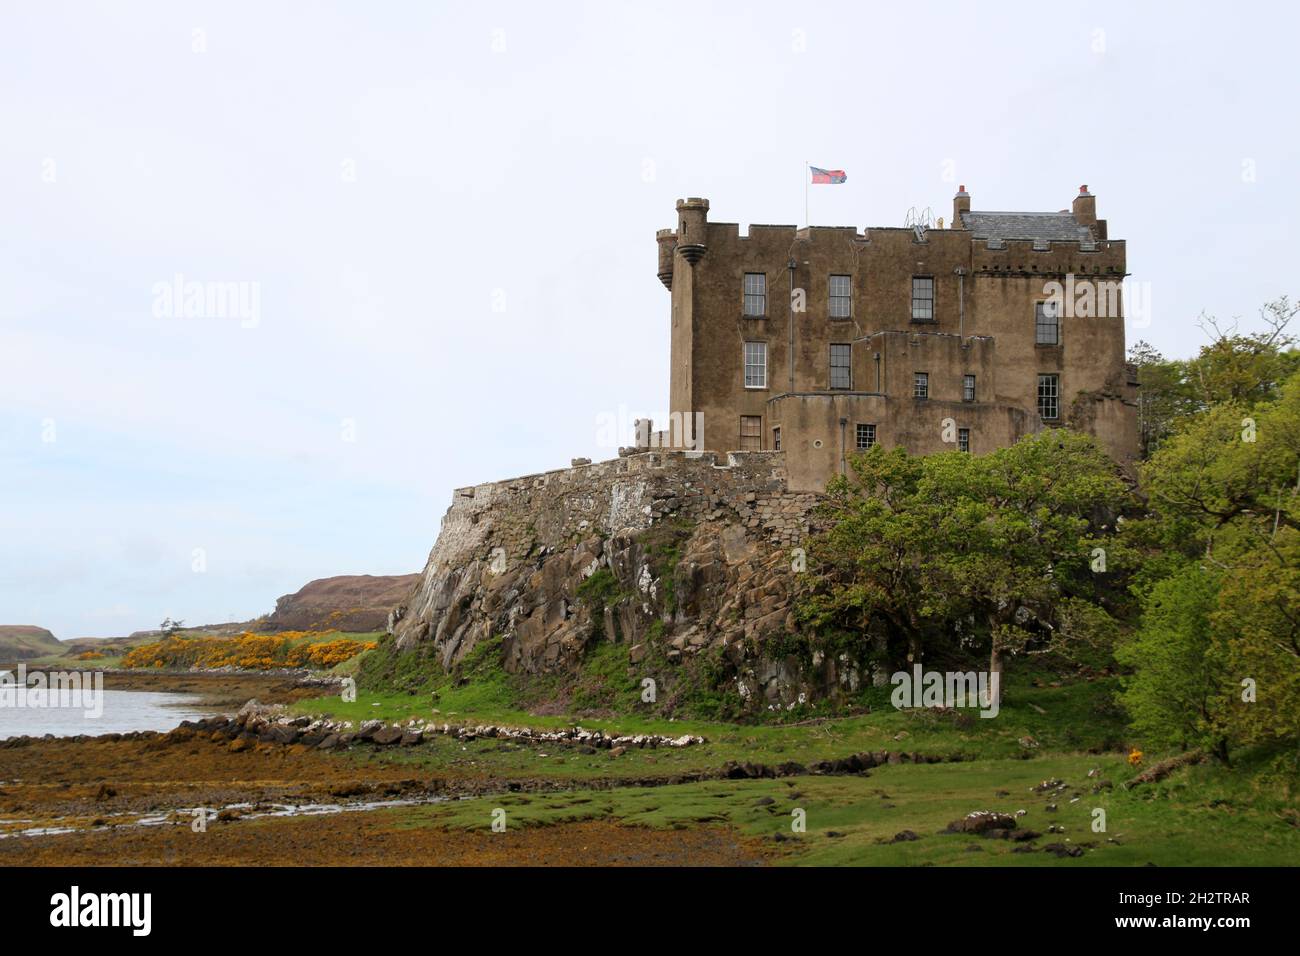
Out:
{"x": 946, "y": 551}
{"x": 1245, "y": 369}
{"x": 1256, "y": 626}
{"x": 1223, "y": 493}
{"x": 1164, "y": 395}
{"x": 1177, "y": 691}
{"x": 1232, "y": 368}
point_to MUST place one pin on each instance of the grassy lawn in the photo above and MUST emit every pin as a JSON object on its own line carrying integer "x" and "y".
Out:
{"x": 1204, "y": 815}
{"x": 852, "y": 820}
{"x": 1071, "y": 718}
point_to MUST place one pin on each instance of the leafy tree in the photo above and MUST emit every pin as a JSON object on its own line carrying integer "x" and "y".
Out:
{"x": 1223, "y": 491}
{"x": 1245, "y": 369}
{"x": 1257, "y": 627}
{"x": 1177, "y": 691}
{"x": 947, "y": 551}
{"x": 1164, "y": 395}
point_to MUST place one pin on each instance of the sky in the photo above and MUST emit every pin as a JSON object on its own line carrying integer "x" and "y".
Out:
{"x": 434, "y": 225}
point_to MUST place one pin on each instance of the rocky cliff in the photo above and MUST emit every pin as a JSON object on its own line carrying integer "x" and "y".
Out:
{"x": 674, "y": 556}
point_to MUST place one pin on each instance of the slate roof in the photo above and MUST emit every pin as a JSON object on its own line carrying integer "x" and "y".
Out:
{"x": 1042, "y": 227}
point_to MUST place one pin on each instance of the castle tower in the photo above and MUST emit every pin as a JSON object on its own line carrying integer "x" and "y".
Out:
{"x": 692, "y": 228}
{"x": 667, "y": 241}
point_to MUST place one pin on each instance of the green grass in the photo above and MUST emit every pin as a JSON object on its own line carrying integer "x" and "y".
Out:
{"x": 1201, "y": 816}
{"x": 1075, "y": 717}
{"x": 850, "y": 820}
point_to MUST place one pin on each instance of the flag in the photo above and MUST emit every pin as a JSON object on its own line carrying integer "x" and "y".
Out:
{"x": 829, "y": 177}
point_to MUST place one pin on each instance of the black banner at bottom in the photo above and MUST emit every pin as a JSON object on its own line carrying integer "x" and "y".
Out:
{"x": 336, "y": 905}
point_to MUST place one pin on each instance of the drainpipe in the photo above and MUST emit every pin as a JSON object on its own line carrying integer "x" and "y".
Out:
{"x": 843, "y": 424}
{"x": 790, "y": 361}
{"x": 961, "y": 305}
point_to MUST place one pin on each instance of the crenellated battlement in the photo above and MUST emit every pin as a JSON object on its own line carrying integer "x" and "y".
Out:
{"x": 886, "y": 322}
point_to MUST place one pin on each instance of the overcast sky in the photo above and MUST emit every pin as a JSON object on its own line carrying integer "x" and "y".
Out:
{"x": 443, "y": 219}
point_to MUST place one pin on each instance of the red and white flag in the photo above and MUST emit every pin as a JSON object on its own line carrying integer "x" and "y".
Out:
{"x": 827, "y": 177}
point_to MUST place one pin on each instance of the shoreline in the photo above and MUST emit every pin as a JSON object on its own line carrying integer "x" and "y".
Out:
{"x": 214, "y": 690}
{"x": 131, "y": 798}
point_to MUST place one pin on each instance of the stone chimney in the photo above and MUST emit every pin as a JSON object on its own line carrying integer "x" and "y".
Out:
{"x": 960, "y": 204}
{"x": 1085, "y": 207}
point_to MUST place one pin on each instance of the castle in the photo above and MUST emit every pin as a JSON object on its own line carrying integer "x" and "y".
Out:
{"x": 823, "y": 341}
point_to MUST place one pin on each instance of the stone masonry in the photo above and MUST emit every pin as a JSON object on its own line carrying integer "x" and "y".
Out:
{"x": 822, "y": 342}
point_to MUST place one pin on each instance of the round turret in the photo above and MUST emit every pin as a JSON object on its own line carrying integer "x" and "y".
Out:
{"x": 667, "y": 240}
{"x": 692, "y": 228}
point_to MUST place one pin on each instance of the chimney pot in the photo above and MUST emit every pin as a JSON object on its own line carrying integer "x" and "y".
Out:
{"x": 960, "y": 204}
{"x": 1085, "y": 207}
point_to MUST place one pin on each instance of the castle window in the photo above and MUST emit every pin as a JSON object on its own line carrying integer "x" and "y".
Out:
{"x": 751, "y": 432}
{"x": 921, "y": 385}
{"x": 755, "y": 294}
{"x": 963, "y": 439}
{"x": 968, "y": 388}
{"x": 866, "y": 436}
{"x": 922, "y": 298}
{"x": 1049, "y": 392}
{"x": 1047, "y": 329}
{"x": 755, "y": 365}
{"x": 776, "y": 438}
{"x": 841, "y": 297}
{"x": 841, "y": 366}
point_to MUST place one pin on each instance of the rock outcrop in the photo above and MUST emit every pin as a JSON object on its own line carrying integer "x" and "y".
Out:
{"x": 672, "y": 554}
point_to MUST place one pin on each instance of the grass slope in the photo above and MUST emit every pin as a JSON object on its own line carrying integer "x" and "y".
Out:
{"x": 21, "y": 642}
{"x": 1202, "y": 816}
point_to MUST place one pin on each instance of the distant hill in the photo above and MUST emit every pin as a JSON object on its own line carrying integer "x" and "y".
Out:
{"x": 22, "y": 642}
{"x": 349, "y": 602}
{"x": 229, "y": 629}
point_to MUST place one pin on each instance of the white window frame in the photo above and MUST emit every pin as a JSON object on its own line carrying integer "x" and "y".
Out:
{"x": 755, "y": 361}
{"x": 839, "y": 304}
{"x": 754, "y": 292}
{"x": 929, "y": 310}
{"x": 1051, "y": 398}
